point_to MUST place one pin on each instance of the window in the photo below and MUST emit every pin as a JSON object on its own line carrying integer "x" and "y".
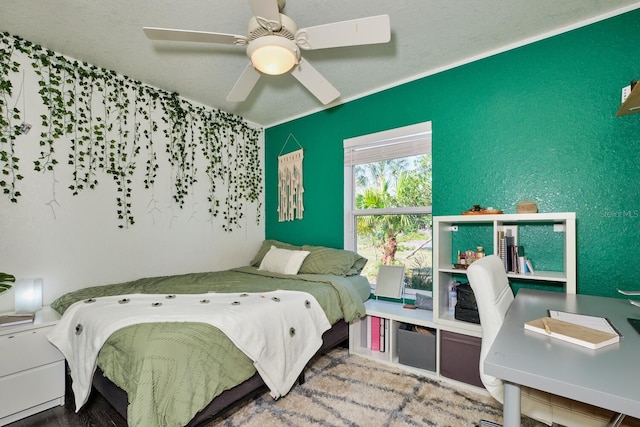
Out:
{"x": 387, "y": 178}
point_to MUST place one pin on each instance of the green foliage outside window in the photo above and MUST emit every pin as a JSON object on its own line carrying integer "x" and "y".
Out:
{"x": 395, "y": 184}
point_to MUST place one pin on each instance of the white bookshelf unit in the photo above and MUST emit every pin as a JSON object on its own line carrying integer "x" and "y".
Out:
{"x": 457, "y": 343}
{"x": 443, "y": 255}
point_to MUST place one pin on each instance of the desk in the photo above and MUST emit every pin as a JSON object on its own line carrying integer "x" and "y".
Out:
{"x": 606, "y": 377}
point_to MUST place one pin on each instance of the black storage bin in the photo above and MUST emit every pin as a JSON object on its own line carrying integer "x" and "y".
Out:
{"x": 465, "y": 297}
{"x": 466, "y": 308}
{"x": 467, "y": 315}
{"x": 417, "y": 349}
{"x": 460, "y": 357}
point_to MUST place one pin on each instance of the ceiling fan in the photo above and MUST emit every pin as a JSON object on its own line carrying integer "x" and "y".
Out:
{"x": 273, "y": 44}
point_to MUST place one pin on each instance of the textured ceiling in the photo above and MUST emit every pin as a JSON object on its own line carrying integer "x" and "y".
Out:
{"x": 426, "y": 36}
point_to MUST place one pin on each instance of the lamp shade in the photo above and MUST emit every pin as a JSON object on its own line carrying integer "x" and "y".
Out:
{"x": 28, "y": 294}
{"x": 273, "y": 55}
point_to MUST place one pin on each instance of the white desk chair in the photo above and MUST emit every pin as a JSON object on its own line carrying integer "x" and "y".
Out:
{"x": 494, "y": 296}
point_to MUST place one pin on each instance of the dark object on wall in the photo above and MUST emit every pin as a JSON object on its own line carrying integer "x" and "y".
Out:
{"x": 632, "y": 103}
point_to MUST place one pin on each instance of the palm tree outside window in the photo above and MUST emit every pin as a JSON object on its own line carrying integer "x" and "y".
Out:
{"x": 388, "y": 202}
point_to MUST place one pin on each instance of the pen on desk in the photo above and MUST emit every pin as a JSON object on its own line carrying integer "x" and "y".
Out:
{"x": 546, "y": 326}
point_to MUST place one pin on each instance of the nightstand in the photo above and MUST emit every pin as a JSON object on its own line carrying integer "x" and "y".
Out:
{"x": 32, "y": 370}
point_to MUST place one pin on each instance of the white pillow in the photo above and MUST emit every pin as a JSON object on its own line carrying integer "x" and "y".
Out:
{"x": 283, "y": 261}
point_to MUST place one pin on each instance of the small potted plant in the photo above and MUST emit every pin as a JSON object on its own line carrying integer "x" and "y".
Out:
{"x": 5, "y": 279}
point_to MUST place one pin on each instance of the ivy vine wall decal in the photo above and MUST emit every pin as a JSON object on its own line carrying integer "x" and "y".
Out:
{"x": 100, "y": 122}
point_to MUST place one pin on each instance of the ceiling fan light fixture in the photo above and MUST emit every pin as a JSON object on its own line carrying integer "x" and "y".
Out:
{"x": 273, "y": 55}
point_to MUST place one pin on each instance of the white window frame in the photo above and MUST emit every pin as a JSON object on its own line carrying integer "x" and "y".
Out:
{"x": 390, "y": 144}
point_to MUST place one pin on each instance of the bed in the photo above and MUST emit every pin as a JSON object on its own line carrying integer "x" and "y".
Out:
{"x": 187, "y": 373}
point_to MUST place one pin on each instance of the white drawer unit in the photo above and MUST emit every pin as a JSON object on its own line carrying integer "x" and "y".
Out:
{"x": 32, "y": 371}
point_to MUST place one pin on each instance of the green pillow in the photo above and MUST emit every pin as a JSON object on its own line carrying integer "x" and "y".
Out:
{"x": 357, "y": 266}
{"x": 339, "y": 262}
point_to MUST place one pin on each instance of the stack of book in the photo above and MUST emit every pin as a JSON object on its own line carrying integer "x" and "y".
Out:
{"x": 512, "y": 254}
{"x": 378, "y": 333}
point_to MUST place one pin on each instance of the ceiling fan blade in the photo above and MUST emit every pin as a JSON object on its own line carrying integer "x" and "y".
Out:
{"x": 267, "y": 13}
{"x": 315, "y": 82}
{"x": 193, "y": 36}
{"x": 244, "y": 85}
{"x": 371, "y": 30}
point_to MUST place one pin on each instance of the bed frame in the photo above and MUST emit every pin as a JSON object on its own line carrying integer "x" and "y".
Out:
{"x": 228, "y": 399}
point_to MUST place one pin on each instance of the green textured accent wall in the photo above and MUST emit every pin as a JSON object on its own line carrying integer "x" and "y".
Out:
{"x": 534, "y": 123}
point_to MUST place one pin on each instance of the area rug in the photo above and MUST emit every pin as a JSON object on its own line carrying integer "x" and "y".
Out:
{"x": 351, "y": 391}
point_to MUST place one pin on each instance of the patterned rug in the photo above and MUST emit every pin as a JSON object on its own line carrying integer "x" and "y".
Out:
{"x": 351, "y": 391}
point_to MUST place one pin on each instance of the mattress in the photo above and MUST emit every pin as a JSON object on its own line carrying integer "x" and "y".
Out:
{"x": 170, "y": 371}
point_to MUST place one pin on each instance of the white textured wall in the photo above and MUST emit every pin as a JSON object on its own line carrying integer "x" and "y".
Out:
{"x": 74, "y": 241}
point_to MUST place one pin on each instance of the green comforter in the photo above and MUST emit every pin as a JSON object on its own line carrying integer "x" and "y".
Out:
{"x": 171, "y": 371}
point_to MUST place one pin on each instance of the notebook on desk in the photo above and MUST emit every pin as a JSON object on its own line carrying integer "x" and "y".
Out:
{"x": 577, "y": 334}
{"x": 595, "y": 322}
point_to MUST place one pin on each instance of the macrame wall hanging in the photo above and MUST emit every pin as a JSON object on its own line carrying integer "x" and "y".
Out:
{"x": 290, "y": 189}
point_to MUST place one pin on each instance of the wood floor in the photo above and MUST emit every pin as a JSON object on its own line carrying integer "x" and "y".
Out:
{"x": 97, "y": 412}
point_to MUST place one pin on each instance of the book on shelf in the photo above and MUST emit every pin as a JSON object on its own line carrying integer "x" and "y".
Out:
{"x": 375, "y": 333}
{"x": 387, "y": 326}
{"x": 502, "y": 248}
{"x": 512, "y": 254}
{"x": 522, "y": 269}
{"x": 16, "y": 319}
{"x": 528, "y": 266}
{"x": 524, "y": 265}
{"x": 516, "y": 261}
{"x": 571, "y": 332}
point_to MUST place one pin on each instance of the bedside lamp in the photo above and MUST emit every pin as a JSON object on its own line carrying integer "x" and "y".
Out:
{"x": 28, "y": 294}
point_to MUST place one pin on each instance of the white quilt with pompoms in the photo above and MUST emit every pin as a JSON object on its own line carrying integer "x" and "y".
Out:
{"x": 279, "y": 330}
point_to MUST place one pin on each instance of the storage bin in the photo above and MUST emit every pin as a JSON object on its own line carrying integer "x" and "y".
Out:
{"x": 466, "y": 305}
{"x": 460, "y": 357}
{"x": 417, "y": 349}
